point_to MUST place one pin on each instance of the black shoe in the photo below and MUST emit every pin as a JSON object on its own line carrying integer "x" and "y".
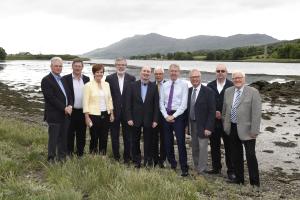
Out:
{"x": 137, "y": 165}
{"x": 161, "y": 165}
{"x": 214, "y": 171}
{"x": 235, "y": 181}
{"x": 231, "y": 176}
{"x": 184, "y": 173}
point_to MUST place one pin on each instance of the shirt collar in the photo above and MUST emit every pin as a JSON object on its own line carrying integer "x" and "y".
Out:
{"x": 241, "y": 89}
{"x": 57, "y": 77}
{"x": 198, "y": 87}
{"x": 75, "y": 77}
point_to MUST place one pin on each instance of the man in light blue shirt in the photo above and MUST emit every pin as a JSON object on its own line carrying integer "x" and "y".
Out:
{"x": 173, "y": 103}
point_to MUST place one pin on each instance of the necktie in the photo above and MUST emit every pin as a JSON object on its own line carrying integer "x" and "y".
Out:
{"x": 169, "y": 107}
{"x": 233, "y": 116}
{"x": 192, "y": 107}
{"x": 158, "y": 86}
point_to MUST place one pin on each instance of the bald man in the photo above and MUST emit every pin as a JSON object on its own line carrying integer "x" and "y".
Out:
{"x": 219, "y": 86}
{"x": 142, "y": 111}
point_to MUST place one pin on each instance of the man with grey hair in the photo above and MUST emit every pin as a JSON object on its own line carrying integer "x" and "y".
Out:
{"x": 219, "y": 86}
{"x": 159, "y": 152}
{"x": 241, "y": 119}
{"x": 201, "y": 115}
{"x": 173, "y": 103}
{"x": 119, "y": 82}
{"x": 57, "y": 110}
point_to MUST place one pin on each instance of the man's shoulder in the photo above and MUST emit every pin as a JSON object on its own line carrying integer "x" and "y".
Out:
{"x": 212, "y": 83}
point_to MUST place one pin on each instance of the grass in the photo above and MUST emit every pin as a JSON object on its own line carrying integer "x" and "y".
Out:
{"x": 25, "y": 174}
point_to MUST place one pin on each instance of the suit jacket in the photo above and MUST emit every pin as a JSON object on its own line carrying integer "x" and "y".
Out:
{"x": 55, "y": 100}
{"x": 142, "y": 113}
{"x": 160, "y": 116}
{"x": 219, "y": 98}
{"x": 248, "y": 112}
{"x": 91, "y": 98}
{"x": 117, "y": 97}
{"x": 69, "y": 82}
{"x": 205, "y": 110}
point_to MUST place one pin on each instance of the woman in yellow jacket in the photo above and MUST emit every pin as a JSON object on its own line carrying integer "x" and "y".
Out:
{"x": 98, "y": 109}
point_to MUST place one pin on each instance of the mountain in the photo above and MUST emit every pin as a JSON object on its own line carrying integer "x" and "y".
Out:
{"x": 155, "y": 43}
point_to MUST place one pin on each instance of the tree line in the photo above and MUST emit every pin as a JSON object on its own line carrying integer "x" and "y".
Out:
{"x": 280, "y": 50}
{"x": 29, "y": 56}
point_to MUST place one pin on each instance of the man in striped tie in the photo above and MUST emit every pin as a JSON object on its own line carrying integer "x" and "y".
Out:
{"x": 242, "y": 116}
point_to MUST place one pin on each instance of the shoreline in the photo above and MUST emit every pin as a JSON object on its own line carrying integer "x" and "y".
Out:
{"x": 276, "y": 150}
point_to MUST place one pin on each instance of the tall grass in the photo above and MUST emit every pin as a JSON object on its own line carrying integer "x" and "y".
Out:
{"x": 25, "y": 174}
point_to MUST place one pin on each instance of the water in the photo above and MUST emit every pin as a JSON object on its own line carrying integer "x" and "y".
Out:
{"x": 27, "y": 75}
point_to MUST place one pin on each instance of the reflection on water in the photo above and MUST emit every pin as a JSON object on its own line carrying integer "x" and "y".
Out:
{"x": 26, "y": 76}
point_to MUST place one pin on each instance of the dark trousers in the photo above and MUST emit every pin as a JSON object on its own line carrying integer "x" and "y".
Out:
{"x": 215, "y": 144}
{"x": 57, "y": 141}
{"x": 237, "y": 157}
{"x": 77, "y": 129}
{"x": 158, "y": 144}
{"x": 99, "y": 133}
{"x": 115, "y": 139}
{"x": 136, "y": 151}
{"x": 178, "y": 128}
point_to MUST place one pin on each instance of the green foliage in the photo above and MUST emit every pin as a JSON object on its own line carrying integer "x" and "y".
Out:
{"x": 2, "y": 54}
{"x": 29, "y": 56}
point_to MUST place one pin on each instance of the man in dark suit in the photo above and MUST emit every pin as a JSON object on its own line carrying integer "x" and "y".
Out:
{"x": 75, "y": 82}
{"x": 158, "y": 145}
{"x": 219, "y": 86}
{"x": 142, "y": 112}
{"x": 58, "y": 108}
{"x": 119, "y": 83}
{"x": 201, "y": 114}
{"x": 241, "y": 117}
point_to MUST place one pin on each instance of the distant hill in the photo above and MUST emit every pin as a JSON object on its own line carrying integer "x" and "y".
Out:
{"x": 155, "y": 43}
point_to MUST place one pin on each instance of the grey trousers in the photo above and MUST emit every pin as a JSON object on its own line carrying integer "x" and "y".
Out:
{"x": 57, "y": 140}
{"x": 199, "y": 149}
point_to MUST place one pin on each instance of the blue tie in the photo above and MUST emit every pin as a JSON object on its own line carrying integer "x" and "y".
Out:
{"x": 233, "y": 116}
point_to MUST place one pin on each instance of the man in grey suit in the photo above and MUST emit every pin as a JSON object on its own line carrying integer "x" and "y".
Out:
{"x": 201, "y": 114}
{"x": 242, "y": 116}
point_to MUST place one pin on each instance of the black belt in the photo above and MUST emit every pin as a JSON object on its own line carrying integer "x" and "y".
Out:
{"x": 79, "y": 109}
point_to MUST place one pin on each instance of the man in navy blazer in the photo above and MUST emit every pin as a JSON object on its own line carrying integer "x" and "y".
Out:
{"x": 219, "y": 86}
{"x": 58, "y": 108}
{"x": 142, "y": 111}
{"x": 201, "y": 114}
{"x": 119, "y": 83}
{"x": 75, "y": 82}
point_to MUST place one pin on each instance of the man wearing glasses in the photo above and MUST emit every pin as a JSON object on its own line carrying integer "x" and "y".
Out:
{"x": 241, "y": 119}
{"x": 219, "y": 86}
{"x": 119, "y": 82}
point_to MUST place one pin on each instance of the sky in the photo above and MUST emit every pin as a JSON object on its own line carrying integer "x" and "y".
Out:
{"x": 76, "y": 27}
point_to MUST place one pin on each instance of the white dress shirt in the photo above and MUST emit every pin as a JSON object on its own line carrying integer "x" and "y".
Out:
{"x": 121, "y": 82}
{"x": 78, "y": 85}
{"x": 102, "y": 100}
{"x": 220, "y": 86}
{"x": 180, "y": 96}
{"x": 235, "y": 94}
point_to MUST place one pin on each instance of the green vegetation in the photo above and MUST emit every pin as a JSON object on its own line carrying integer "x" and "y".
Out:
{"x": 286, "y": 51}
{"x": 25, "y": 174}
{"x": 2, "y": 54}
{"x": 29, "y": 56}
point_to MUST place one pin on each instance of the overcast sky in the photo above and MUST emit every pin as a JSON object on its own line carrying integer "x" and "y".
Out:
{"x": 75, "y": 27}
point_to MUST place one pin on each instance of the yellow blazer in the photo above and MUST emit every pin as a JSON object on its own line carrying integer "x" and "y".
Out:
{"x": 91, "y": 98}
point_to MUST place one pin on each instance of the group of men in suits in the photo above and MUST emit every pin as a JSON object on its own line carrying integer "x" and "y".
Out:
{"x": 222, "y": 109}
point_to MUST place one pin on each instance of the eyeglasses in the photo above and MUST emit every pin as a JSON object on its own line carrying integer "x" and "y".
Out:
{"x": 219, "y": 71}
{"x": 238, "y": 78}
